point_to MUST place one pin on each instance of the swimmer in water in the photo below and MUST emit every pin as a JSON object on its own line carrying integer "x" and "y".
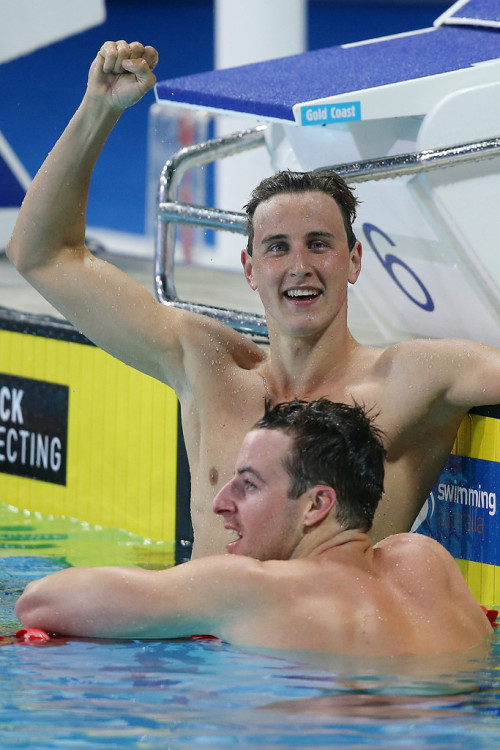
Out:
{"x": 301, "y": 257}
{"x": 301, "y": 572}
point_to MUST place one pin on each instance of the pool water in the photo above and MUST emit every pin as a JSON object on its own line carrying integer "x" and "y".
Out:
{"x": 184, "y": 694}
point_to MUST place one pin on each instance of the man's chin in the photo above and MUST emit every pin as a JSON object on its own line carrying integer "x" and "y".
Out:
{"x": 241, "y": 551}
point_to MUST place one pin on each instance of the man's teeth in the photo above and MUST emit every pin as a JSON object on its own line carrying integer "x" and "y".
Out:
{"x": 302, "y": 293}
{"x": 234, "y": 533}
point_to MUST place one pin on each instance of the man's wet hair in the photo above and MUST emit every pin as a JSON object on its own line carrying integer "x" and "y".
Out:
{"x": 321, "y": 180}
{"x": 334, "y": 444}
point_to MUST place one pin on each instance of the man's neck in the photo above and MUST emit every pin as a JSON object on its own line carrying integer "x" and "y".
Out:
{"x": 303, "y": 367}
{"x": 332, "y": 542}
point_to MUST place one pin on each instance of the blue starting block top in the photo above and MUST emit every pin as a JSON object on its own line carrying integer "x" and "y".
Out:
{"x": 405, "y": 74}
{"x": 473, "y": 12}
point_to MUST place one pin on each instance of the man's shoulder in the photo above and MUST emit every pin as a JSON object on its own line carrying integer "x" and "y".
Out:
{"x": 425, "y": 357}
{"x": 411, "y": 544}
{"x": 244, "y": 578}
{"x": 205, "y": 336}
{"x": 385, "y": 357}
{"x": 428, "y": 346}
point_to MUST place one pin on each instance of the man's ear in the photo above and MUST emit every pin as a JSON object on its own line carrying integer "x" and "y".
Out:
{"x": 246, "y": 262}
{"x": 355, "y": 262}
{"x": 322, "y": 499}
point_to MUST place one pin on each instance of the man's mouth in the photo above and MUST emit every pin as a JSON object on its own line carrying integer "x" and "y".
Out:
{"x": 303, "y": 295}
{"x": 234, "y": 538}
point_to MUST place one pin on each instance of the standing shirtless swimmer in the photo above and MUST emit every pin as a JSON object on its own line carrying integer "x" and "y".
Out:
{"x": 301, "y": 264}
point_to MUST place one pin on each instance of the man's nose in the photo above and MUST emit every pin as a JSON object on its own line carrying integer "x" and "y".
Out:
{"x": 223, "y": 502}
{"x": 300, "y": 262}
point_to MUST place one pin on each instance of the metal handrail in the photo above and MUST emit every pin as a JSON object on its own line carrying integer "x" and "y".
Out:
{"x": 171, "y": 211}
{"x": 418, "y": 161}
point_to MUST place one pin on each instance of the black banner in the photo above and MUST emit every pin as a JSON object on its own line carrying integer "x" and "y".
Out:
{"x": 33, "y": 428}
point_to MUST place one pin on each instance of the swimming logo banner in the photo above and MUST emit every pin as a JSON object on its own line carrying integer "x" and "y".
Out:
{"x": 33, "y": 428}
{"x": 462, "y": 511}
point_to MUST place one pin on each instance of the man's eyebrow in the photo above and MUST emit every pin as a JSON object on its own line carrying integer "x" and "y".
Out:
{"x": 249, "y": 470}
{"x": 320, "y": 233}
{"x": 274, "y": 238}
{"x": 310, "y": 235}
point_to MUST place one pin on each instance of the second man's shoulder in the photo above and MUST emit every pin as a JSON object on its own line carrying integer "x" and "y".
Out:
{"x": 412, "y": 545}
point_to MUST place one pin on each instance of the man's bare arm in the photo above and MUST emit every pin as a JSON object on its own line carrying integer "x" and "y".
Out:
{"x": 117, "y": 602}
{"x": 48, "y": 243}
{"x": 474, "y": 371}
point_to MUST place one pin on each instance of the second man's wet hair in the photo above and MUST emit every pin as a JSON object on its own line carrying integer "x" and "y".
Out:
{"x": 335, "y": 445}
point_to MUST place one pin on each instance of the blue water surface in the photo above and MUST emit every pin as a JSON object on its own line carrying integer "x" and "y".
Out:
{"x": 70, "y": 693}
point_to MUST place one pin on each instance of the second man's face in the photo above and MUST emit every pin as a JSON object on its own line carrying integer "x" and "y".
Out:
{"x": 264, "y": 522}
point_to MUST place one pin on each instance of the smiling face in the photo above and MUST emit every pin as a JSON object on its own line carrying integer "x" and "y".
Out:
{"x": 255, "y": 505}
{"x": 301, "y": 263}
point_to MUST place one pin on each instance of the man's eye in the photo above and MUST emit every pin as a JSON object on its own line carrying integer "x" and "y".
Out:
{"x": 276, "y": 248}
{"x": 250, "y": 485}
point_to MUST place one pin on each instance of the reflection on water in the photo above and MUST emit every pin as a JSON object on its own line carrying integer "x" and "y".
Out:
{"x": 78, "y": 543}
{"x": 169, "y": 694}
